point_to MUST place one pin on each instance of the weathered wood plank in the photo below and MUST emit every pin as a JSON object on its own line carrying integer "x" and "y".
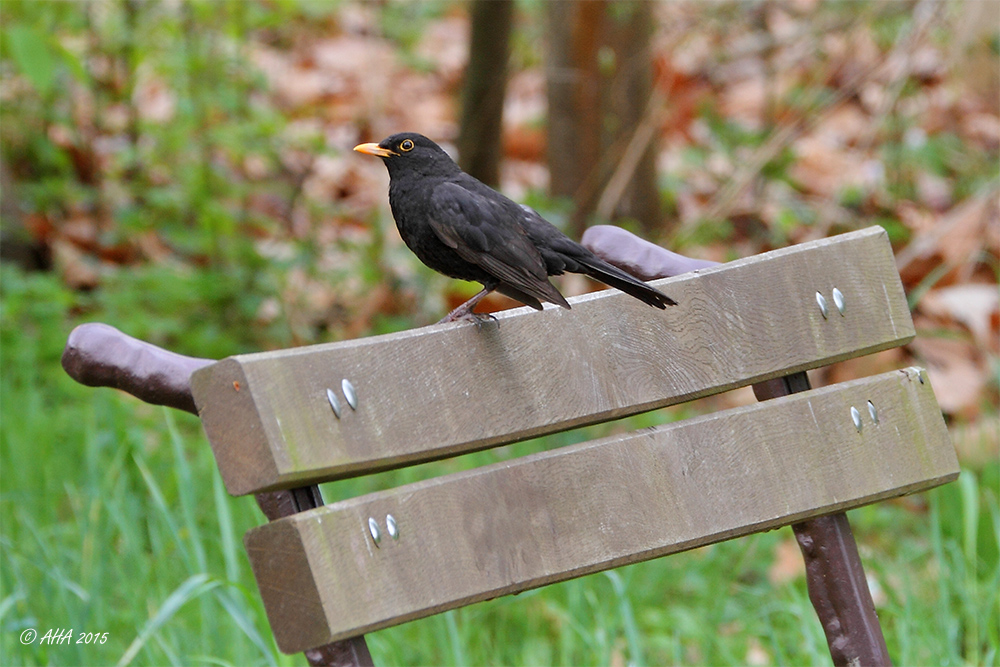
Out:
{"x": 838, "y": 587}
{"x": 444, "y": 390}
{"x": 551, "y": 516}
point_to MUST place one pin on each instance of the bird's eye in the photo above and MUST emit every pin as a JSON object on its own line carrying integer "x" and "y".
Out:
{"x": 406, "y": 145}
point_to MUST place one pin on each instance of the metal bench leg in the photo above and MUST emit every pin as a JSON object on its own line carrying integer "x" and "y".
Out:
{"x": 836, "y": 579}
{"x": 351, "y": 652}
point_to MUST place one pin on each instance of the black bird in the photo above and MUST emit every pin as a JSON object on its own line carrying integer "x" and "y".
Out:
{"x": 464, "y": 229}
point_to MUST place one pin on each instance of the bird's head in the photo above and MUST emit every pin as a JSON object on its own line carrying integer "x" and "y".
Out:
{"x": 410, "y": 152}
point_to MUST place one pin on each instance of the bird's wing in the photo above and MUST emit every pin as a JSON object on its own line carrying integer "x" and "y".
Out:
{"x": 482, "y": 230}
{"x": 563, "y": 254}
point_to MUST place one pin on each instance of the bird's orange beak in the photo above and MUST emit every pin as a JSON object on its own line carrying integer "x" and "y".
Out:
{"x": 375, "y": 149}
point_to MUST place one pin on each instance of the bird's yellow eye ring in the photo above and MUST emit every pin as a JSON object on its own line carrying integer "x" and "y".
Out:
{"x": 406, "y": 145}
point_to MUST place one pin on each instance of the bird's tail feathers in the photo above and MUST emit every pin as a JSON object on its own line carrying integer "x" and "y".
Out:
{"x": 613, "y": 276}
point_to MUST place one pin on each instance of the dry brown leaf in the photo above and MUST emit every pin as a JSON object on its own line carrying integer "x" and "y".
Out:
{"x": 934, "y": 191}
{"x": 977, "y": 443}
{"x": 823, "y": 168}
{"x": 975, "y": 306}
{"x": 76, "y": 268}
{"x": 982, "y": 128}
{"x": 153, "y": 98}
{"x": 526, "y": 101}
{"x": 956, "y": 372}
{"x": 756, "y": 653}
{"x": 80, "y": 229}
{"x": 916, "y": 218}
{"x": 518, "y": 177}
{"x": 295, "y": 86}
{"x": 954, "y": 241}
{"x": 525, "y": 143}
{"x": 617, "y": 658}
{"x": 418, "y": 103}
{"x": 268, "y": 311}
{"x": 788, "y": 563}
{"x": 745, "y": 102}
{"x": 968, "y": 229}
{"x": 844, "y": 126}
{"x": 153, "y": 248}
{"x": 445, "y": 44}
{"x": 782, "y": 25}
{"x": 876, "y": 590}
{"x": 859, "y": 367}
{"x": 737, "y": 398}
{"x": 358, "y": 67}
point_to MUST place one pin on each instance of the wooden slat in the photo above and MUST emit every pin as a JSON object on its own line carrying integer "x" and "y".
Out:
{"x": 516, "y": 525}
{"x": 444, "y": 390}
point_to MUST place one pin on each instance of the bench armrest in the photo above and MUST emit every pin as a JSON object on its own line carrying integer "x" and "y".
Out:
{"x": 644, "y": 260}
{"x": 99, "y": 355}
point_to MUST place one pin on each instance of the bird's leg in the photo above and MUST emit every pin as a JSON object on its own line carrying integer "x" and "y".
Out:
{"x": 464, "y": 312}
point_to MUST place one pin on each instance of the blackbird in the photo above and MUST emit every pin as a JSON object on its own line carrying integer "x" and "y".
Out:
{"x": 464, "y": 229}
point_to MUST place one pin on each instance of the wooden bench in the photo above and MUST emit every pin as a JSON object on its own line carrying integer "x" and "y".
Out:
{"x": 281, "y": 422}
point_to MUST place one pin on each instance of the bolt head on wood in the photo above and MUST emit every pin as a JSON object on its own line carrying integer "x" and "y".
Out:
{"x": 349, "y": 393}
{"x": 821, "y": 300}
{"x": 334, "y": 402}
{"x": 856, "y": 418}
{"x": 872, "y": 412}
{"x": 838, "y": 301}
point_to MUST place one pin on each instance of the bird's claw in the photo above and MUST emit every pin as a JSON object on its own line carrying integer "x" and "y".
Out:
{"x": 479, "y": 319}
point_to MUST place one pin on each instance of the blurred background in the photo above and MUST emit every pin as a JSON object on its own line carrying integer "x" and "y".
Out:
{"x": 183, "y": 171}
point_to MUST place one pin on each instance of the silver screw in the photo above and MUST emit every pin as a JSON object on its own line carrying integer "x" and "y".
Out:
{"x": 838, "y": 300}
{"x": 373, "y": 529}
{"x": 872, "y": 412}
{"x": 390, "y": 526}
{"x": 350, "y": 394}
{"x": 856, "y": 418}
{"x": 334, "y": 402}
{"x": 821, "y": 300}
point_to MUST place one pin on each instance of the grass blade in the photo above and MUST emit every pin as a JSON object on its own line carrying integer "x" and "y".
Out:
{"x": 185, "y": 489}
{"x": 627, "y": 618}
{"x": 226, "y": 531}
{"x": 195, "y": 586}
{"x": 237, "y": 611}
{"x": 168, "y": 517}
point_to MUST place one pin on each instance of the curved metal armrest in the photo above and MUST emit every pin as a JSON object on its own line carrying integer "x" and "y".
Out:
{"x": 99, "y": 355}
{"x": 644, "y": 260}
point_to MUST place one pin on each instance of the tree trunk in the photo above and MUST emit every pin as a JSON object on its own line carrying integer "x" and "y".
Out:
{"x": 574, "y": 141}
{"x": 485, "y": 81}
{"x": 600, "y": 83}
{"x": 630, "y": 89}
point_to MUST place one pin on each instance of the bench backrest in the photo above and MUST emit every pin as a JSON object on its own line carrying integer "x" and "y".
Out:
{"x": 289, "y": 418}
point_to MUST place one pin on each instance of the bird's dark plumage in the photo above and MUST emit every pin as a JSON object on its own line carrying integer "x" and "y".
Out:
{"x": 464, "y": 229}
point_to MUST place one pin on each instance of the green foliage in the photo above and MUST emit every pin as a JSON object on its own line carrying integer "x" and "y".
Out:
{"x": 33, "y": 56}
{"x": 113, "y": 521}
{"x": 179, "y": 179}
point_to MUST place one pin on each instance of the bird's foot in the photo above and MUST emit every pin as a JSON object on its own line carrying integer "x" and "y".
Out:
{"x": 464, "y": 312}
{"x": 479, "y": 319}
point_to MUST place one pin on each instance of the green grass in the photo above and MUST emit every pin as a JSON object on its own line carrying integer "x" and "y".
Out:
{"x": 114, "y": 519}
